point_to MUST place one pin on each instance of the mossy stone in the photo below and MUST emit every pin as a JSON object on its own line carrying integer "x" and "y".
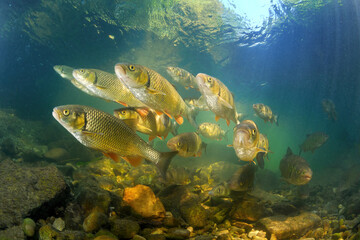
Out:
{"x": 28, "y": 226}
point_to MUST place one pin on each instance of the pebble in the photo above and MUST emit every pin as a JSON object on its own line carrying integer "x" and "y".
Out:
{"x": 59, "y": 224}
{"x": 28, "y": 227}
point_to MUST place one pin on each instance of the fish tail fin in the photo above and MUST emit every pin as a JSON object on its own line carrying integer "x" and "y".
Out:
{"x": 276, "y": 119}
{"x": 174, "y": 130}
{"x": 238, "y": 117}
{"x": 204, "y": 146}
{"x": 164, "y": 162}
{"x": 191, "y": 114}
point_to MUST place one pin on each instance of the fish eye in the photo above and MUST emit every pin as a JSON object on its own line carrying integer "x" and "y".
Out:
{"x": 123, "y": 112}
{"x": 253, "y": 131}
{"x": 66, "y": 112}
{"x": 179, "y": 144}
{"x": 82, "y": 70}
{"x": 132, "y": 68}
{"x": 209, "y": 79}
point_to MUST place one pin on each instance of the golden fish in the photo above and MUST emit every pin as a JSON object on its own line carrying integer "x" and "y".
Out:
{"x": 211, "y": 131}
{"x": 245, "y": 141}
{"x": 66, "y": 72}
{"x": 265, "y": 112}
{"x": 153, "y": 90}
{"x": 107, "y": 86}
{"x": 147, "y": 121}
{"x": 106, "y": 133}
{"x": 187, "y": 144}
{"x": 218, "y": 98}
{"x": 182, "y": 77}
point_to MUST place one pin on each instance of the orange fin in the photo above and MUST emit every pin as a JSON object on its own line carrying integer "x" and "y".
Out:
{"x": 113, "y": 156}
{"x": 122, "y": 103}
{"x": 186, "y": 88}
{"x": 217, "y": 118}
{"x": 151, "y": 138}
{"x": 159, "y": 112}
{"x": 160, "y": 137}
{"x": 142, "y": 111}
{"x": 179, "y": 120}
{"x": 167, "y": 114}
{"x": 199, "y": 154}
{"x": 133, "y": 160}
{"x": 228, "y": 122}
{"x": 165, "y": 136}
{"x": 229, "y": 145}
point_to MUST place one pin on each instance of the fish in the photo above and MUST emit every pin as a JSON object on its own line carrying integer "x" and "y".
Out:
{"x": 264, "y": 144}
{"x": 107, "y": 86}
{"x": 265, "y": 112}
{"x": 154, "y": 91}
{"x": 329, "y": 108}
{"x": 313, "y": 141}
{"x": 187, "y": 144}
{"x": 246, "y": 140}
{"x": 295, "y": 169}
{"x": 211, "y": 131}
{"x": 218, "y": 98}
{"x": 182, "y": 77}
{"x": 66, "y": 72}
{"x": 241, "y": 181}
{"x": 198, "y": 103}
{"x": 104, "y": 132}
{"x": 148, "y": 123}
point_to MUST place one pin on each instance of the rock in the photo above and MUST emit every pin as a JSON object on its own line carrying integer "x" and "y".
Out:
{"x": 156, "y": 237}
{"x": 73, "y": 217}
{"x": 59, "y": 224}
{"x": 46, "y": 232}
{"x": 285, "y": 227}
{"x": 144, "y": 203}
{"x": 56, "y": 153}
{"x": 204, "y": 237}
{"x": 28, "y": 226}
{"x": 225, "y": 236}
{"x": 124, "y": 228}
{"x": 26, "y": 191}
{"x": 194, "y": 214}
{"x": 72, "y": 235}
{"x": 248, "y": 210}
{"x": 94, "y": 221}
{"x": 178, "y": 233}
{"x": 13, "y": 233}
{"x": 105, "y": 237}
{"x": 138, "y": 237}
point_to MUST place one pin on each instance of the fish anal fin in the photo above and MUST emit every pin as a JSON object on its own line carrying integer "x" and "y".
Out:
{"x": 122, "y": 103}
{"x": 165, "y": 136}
{"x": 151, "y": 138}
{"x": 217, "y": 118}
{"x": 179, "y": 120}
{"x": 167, "y": 114}
{"x": 133, "y": 160}
{"x": 159, "y": 112}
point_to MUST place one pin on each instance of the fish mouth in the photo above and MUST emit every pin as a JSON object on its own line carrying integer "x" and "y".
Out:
{"x": 171, "y": 145}
{"x": 76, "y": 75}
{"x": 56, "y": 114}
{"x": 201, "y": 77}
{"x": 120, "y": 71}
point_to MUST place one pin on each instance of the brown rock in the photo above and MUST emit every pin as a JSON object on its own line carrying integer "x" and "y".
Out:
{"x": 248, "y": 210}
{"x": 94, "y": 221}
{"x": 144, "y": 203}
{"x": 284, "y": 227}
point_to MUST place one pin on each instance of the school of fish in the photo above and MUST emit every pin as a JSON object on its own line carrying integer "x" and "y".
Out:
{"x": 153, "y": 106}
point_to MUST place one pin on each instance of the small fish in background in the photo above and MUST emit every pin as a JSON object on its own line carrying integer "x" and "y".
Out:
{"x": 265, "y": 113}
{"x": 187, "y": 144}
{"x": 154, "y": 90}
{"x": 198, "y": 103}
{"x": 211, "y": 131}
{"x": 246, "y": 140}
{"x": 101, "y": 131}
{"x": 241, "y": 181}
{"x": 313, "y": 141}
{"x": 218, "y": 98}
{"x": 182, "y": 77}
{"x": 107, "y": 86}
{"x": 263, "y": 144}
{"x": 146, "y": 121}
{"x": 66, "y": 72}
{"x": 329, "y": 108}
{"x": 295, "y": 169}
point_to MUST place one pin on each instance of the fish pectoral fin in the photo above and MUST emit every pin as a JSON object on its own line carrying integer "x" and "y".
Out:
{"x": 179, "y": 120}
{"x": 224, "y": 102}
{"x": 122, "y": 103}
{"x": 113, "y": 156}
{"x": 167, "y": 114}
{"x": 154, "y": 91}
{"x": 261, "y": 150}
{"x": 142, "y": 111}
{"x": 134, "y": 160}
{"x": 151, "y": 138}
{"x": 217, "y": 118}
{"x": 144, "y": 129}
{"x": 228, "y": 122}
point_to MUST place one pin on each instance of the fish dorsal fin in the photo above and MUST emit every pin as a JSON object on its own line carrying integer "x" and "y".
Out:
{"x": 289, "y": 152}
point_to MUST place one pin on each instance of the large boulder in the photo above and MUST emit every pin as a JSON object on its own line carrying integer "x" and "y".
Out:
{"x": 285, "y": 227}
{"x": 144, "y": 203}
{"x": 26, "y": 191}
